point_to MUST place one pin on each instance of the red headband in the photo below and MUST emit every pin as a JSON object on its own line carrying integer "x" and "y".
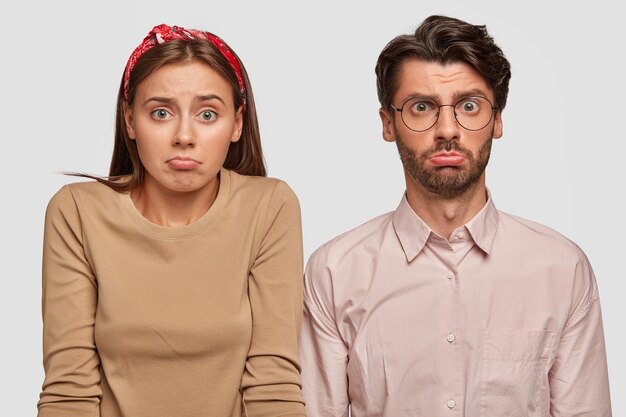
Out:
{"x": 164, "y": 33}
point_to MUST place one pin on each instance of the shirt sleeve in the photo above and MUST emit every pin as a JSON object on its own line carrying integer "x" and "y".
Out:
{"x": 578, "y": 378}
{"x": 271, "y": 381}
{"x": 69, "y": 296}
{"x": 323, "y": 352}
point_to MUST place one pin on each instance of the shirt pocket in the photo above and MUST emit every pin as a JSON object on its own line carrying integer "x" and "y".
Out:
{"x": 514, "y": 374}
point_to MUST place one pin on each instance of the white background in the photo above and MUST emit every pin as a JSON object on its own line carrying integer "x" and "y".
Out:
{"x": 560, "y": 161}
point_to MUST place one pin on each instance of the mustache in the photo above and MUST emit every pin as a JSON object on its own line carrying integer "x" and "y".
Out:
{"x": 448, "y": 146}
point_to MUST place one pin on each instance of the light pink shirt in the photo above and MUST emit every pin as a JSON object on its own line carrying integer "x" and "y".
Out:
{"x": 501, "y": 320}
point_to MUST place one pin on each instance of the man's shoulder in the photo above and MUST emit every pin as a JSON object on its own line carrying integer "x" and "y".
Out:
{"x": 359, "y": 238}
{"x": 534, "y": 236}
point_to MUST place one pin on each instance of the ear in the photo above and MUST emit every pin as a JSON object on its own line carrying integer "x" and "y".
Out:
{"x": 238, "y": 125}
{"x": 128, "y": 118}
{"x": 497, "y": 125}
{"x": 389, "y": 127}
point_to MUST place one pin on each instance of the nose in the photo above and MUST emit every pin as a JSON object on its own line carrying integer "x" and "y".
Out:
{"x": 447, "y": 128}
{"x": 184, "y": 134}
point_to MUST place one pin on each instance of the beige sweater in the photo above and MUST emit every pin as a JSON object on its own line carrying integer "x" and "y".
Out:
{"x": 142, "y": 320}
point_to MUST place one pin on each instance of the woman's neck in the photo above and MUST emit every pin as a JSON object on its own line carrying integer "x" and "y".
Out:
{"x": 172, "y": 208}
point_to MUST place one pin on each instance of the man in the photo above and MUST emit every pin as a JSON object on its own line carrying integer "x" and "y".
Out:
{"x": 447, "y": 306}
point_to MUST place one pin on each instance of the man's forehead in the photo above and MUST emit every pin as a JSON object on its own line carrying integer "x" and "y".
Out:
{"x": 417, "y": 77}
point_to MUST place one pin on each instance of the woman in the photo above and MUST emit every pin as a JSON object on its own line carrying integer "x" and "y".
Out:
{"x": 173, "y": 287}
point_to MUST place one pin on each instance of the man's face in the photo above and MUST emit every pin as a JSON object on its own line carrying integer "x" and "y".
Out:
{"x": 447, "y": 159}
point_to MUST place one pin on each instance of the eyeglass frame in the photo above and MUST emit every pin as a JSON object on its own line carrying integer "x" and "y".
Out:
{"x": 439, "y": 106}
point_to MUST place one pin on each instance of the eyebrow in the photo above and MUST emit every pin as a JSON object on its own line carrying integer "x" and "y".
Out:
{"x": 472, "y": 92}
{"x": 456, "y": 95}
{"x": 164, "y": 100}
{"x": 167, "y": 100}
{"x": 208, "y": 97}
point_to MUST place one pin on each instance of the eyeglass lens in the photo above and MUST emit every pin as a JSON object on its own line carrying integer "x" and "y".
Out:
{"x": 472, "y": 113}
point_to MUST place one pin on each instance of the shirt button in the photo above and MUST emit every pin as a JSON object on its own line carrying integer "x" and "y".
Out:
{"x": 450, "y": 275}
{"x": 451, "y": 404}
{"x": 461, "y": 235}
{"x": 451, "y": 338}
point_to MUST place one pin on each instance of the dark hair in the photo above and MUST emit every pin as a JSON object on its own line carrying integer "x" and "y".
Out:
{"x": 444, "y": 40}
{"x": 244, "y": 156}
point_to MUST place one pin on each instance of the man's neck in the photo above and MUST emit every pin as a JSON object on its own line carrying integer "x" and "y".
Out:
{"x": 443, "y": 215}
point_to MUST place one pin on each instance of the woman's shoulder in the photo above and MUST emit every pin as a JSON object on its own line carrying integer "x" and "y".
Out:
{"x": 77, "y": 194}
{"x": 260, "y": 187}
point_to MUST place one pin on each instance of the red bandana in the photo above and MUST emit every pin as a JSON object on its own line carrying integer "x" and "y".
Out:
{"x": 164, "y": 33}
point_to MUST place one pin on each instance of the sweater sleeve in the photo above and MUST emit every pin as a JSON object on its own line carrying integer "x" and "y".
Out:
{"x": 271, "y": 381}
{"x": 69, "y": 297}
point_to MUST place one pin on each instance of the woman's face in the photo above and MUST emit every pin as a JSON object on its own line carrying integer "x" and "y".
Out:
{"x": 183, "y": 121}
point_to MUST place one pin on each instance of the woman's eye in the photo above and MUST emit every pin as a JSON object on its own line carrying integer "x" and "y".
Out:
{"x": 208, "y": 115}
{"x": 160, "y": 114}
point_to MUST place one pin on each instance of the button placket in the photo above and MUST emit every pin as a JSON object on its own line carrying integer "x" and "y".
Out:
{"x": 453, "y": 386}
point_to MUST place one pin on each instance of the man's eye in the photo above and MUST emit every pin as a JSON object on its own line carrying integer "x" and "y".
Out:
{"x": 422, "y": 106}
{"x": 469, "y": 106}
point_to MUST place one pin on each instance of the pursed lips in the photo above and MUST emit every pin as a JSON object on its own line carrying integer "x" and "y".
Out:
{"x": 182, "y": 162}
{"x": 447, "y": 159}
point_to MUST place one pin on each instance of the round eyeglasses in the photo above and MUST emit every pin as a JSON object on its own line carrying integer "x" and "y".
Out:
{"x": 472, "y": 113}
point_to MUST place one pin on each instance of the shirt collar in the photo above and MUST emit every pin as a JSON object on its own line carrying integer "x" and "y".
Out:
{"x": 484, "y": 225}
{"x": 413, "y": 232}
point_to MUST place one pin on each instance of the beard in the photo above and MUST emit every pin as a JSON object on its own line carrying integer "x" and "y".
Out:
{"x": 446, "y": 182}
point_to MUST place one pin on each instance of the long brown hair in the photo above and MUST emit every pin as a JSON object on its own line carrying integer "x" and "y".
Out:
{"x": 244, "y": 156}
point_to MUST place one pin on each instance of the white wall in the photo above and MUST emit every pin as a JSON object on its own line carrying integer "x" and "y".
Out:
{"x": 560, "y": 161}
